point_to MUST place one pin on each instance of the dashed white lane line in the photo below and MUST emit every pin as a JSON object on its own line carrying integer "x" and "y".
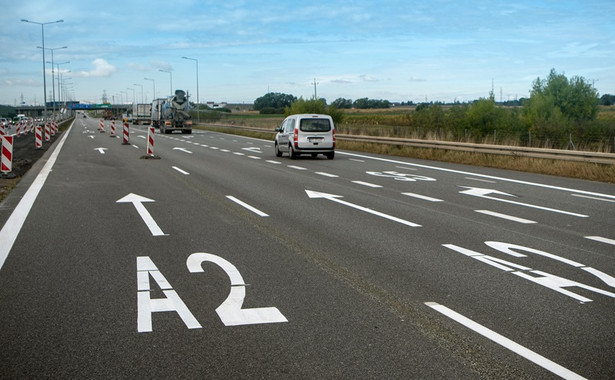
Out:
{"x": 505, "y": 342}
{"x": 243, "y": 204}
{"x": 180, "y": 170}
{"x": 366, "y": 184}
{"x": 296, "y": 167}
{"x": 423, "y": 197}
{"x": 601, "y": 239}
{"x": 507, "y": 217}
{"x": 327, "y": 174}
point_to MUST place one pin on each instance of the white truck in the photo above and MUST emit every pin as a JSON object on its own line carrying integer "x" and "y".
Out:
{"x": 141, "y": 113}
{"x": 172, "y": 113}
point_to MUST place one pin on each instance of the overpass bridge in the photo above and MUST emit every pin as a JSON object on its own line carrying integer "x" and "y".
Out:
{"x": 37, "y": 111}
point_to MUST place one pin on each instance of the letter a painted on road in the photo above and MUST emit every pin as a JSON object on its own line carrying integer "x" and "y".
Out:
{"x": 146, "y": 269}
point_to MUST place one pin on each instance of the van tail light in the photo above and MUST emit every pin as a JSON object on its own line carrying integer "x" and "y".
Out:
{"x": 296, "y": 137}
{"x": 333, "y": 134}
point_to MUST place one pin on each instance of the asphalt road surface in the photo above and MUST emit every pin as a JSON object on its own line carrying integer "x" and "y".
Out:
{"x": 220, "y": 260}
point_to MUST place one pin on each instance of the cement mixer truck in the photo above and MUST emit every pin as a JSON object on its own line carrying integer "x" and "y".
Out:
{"x": 172, "y": 114}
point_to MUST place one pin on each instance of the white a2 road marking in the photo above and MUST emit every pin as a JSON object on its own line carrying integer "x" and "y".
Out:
{"x": 547, "y": 280}
{"x": 230, "y": 311}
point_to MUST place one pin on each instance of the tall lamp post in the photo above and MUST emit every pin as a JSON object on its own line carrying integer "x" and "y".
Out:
{"x": 198, "y": 111}
{"x": 140, "y": 85}
{"x": 59, "y": 87}
{"x": 154, "y": 83}
{"x": 42, "y": 24}
{"x": 170, "y": 78}
{"x": 53, "y": 86}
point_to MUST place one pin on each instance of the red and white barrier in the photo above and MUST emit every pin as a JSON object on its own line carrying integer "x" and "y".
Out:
{"x": 6, "y": 162}
{"x": 47, "y": 133}
{"x": 112, "y": 129}
{"x": 102, "y": 126}
{"x": 126, "y": 134}
{"x": 38, "y": 137}
{"x": 150, "y": 141}
{"x": 2, "y": 133}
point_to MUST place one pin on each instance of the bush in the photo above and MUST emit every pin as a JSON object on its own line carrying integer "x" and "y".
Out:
{"x": 316, "y": 107}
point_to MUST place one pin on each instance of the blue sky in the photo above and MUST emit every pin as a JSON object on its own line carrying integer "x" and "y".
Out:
{"x": 394, "y": 50}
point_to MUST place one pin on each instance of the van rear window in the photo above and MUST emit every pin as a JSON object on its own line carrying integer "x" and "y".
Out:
{"x": 315, "y": 125}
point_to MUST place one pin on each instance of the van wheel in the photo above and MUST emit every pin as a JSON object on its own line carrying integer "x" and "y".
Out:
{"x": 278, "y": 152}
{"x": 330, "y": 155}
{"x": 291, "y": 152}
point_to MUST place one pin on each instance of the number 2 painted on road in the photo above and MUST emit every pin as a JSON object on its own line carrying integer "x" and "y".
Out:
{"x": 230, "y": 311}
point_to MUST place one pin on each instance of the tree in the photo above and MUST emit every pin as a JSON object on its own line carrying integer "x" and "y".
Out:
{"x": 274, "y": 100}
{"x": 342, "y": 103}
{"x": 607, "y": 100}
{"x": 315, "y": 107}
{"x": 576, "y": 99}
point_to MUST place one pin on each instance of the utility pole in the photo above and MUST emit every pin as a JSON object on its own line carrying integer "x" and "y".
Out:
{"x": 315, "y": 94}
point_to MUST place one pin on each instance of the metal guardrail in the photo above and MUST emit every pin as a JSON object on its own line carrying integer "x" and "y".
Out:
{"x": 519, "y": 151}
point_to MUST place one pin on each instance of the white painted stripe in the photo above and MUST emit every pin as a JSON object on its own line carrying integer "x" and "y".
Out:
{"x": 224, "y": 150}
{"x": 601, "y": 239}
{"x": 274, "y": 162}
{"x": 505, "y": 342}
{"x": 423, "y": 197}
{"x": 595, "y": 198}
{"x": 238, "y": 154}
{"x": 254, "y": 210}
{"x": 480, "y": 180}
{"x": 327, "y": 174}
{"x": 214, "y": 147}
{"x": 254, "y": 157}
{"x": 507, "y": 217}
{"x": 296, "y": 167}
{"x": 205, "y": 146}
{"x": 181, "y": 171}
{"x": 366, "y": 184}
{"x": 135, "y": 146}
{"x": 13, "y": 225}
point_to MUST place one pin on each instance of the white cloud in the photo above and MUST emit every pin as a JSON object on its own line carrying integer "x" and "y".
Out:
{"x": 101, "y": 68}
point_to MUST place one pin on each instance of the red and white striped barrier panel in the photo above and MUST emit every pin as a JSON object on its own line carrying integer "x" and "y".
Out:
{"x": 18, "y": 129}
{"x": 150, "y": 141}
{"x": 52, "y": 129}
{"x": 38, "y": 137}
{"x": 102, "y": 126}
{"x": 6, "y": 162}
{"x": 112, "y": 129}
{"x": 2, "y": 133}
{"x": 47, "y": 132}
{"x": 31, "y": 126}
{"x": 126, "y": 134}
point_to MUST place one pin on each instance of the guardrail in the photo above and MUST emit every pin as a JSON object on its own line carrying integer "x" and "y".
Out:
{"x": 555, "y": 154}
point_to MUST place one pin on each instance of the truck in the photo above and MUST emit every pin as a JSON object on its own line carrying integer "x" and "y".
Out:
{"x": 172, "y": 113}
{"x": 141, "y": 113}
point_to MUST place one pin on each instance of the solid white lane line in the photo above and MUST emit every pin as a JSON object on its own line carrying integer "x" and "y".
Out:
{"x": 507, "y": 217}
{"x": 423, "y": 197}
{"x": 180, "y": 170}
{"x": 253, "y": 209}
{"x": 366, "y": 184}
{"x": 601, "y": 239}
{"x": 13, "y": 225}
{"x": 505, "y": 342}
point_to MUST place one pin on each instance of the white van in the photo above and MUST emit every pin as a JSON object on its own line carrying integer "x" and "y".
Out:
{"x": 306, "y": 134}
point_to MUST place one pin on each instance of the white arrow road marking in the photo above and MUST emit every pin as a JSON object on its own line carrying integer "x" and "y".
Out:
{"x": 183, "y": 150}
{"x": 137, "y": 201}
{"x": 335, "y": 198}
{"x": 101, "y": 150}
{"x": 505, "y": 342}
{"x": 483, "y": 193}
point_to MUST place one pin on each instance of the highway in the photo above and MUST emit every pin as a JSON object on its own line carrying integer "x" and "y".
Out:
{"x": 220, "y": 260}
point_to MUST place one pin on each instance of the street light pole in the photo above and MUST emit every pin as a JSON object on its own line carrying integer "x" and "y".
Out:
{"x": 154, "y": 83}
{"x": 198, "y": 111}
{"x": 42, "y": 24}
{"x": 53, "y": 87}
{"x": 140, "y": 85}
{"x": 170, "y": 78}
